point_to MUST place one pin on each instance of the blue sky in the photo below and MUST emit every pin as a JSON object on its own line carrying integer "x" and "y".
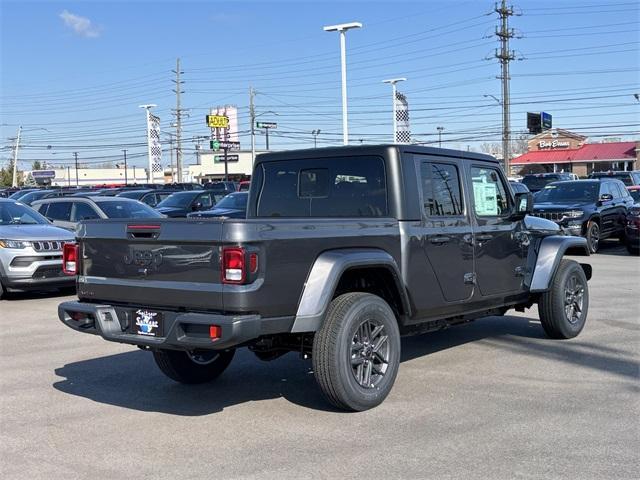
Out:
{"x": 80, "y": 70}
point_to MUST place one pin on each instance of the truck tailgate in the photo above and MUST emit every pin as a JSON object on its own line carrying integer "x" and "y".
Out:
{"x": 167, "y": 262}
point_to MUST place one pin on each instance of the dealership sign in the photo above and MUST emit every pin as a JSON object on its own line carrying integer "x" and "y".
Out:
{"x": 43, "y": 174}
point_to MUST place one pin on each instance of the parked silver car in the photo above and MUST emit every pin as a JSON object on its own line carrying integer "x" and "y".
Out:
{"x": 66, "y": 212}
{"x": 30, "y": 250}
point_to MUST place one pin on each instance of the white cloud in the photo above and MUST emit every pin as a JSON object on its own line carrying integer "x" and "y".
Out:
{"x": 80, "y": 25}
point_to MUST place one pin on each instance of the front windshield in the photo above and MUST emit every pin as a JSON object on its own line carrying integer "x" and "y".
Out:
{"x": 538, "y": 183}
{"x": 19, "y": 194}
{"x": 178, "y": 200}
{"x": 578, "y": 191}
{"x": 234, "y": 200}
{"x": 127, "y": 209}
{"x": 31, "y": 197}
{"x": 15, "y": 214}
{"x": 135, "y": 194}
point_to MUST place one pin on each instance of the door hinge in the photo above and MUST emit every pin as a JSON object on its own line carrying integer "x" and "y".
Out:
{"x": 470, "y": 278}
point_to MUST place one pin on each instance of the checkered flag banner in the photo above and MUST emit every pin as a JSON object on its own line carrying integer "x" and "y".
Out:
{"x": 402, "y": 133}
{"x": 155, "y": 147}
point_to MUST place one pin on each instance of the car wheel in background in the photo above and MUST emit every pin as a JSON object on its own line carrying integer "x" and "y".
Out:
{"x": 593, "y": 236}
{"x": 198, "y": 366}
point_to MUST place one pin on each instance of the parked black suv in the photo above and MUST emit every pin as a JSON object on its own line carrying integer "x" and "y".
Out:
{"x": 342, "y": 251}
{"x": 537, "y": 181}
{"x": 590, "y": 208}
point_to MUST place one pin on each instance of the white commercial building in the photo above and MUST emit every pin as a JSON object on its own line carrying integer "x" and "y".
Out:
{"x": 211, "y": 165}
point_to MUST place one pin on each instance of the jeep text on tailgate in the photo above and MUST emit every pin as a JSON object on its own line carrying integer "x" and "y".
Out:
{"x": 343, "y": 251}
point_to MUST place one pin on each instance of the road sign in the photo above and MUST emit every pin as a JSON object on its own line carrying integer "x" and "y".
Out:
{"x": 546, "y": 120}
{"x": 217, "y": 121}
{"x": 230, "y": 158}
{"x": 266, "y": 125}
{"x": 224, "y": 144}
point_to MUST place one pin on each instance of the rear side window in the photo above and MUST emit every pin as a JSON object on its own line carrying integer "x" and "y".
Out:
{"x": 59, "y": 211}
{"x": 441, "y": 189}
{"x": 326, "y": 187}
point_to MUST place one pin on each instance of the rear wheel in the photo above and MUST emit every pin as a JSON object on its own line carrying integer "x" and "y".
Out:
{"x": 563, "y": 308}
{"x": 196, "y": 366}
{"x": 593, "y": 236}
{"x": 356, "y": 352}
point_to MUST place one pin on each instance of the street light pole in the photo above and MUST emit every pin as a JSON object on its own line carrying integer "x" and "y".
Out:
{"x": 393, "y": 82}
{"x": 126, "y": 180}
{"x": 440, "y": 129}
{"x": 342, "y": 29}
{"x": 14, "y": 181}
{"x": 75, "y": 155}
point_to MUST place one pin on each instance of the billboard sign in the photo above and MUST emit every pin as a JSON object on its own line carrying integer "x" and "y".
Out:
{"x": 217, "y": 121}
{"x": 546, "y": 120}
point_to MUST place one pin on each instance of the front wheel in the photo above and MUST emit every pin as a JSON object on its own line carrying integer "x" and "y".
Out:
{"x": 356, "y": 352}
{"x": 593, "y": 236}
{"x": 563, "y": 308}
{"x": 197, "y": 366}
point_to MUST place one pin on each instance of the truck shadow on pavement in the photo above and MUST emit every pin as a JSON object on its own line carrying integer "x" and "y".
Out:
{"x": 132, "y": 380}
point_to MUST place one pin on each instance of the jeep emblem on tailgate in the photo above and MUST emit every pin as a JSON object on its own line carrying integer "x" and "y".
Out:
{"x": 143, "y": 258}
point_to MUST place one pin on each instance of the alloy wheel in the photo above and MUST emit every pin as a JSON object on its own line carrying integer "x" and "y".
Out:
{"x": 369, "y": 354}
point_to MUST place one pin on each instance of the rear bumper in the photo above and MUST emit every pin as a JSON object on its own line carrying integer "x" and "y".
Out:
{"x": 181, "y": 331}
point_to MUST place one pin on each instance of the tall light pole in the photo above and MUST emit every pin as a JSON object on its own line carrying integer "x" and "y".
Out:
{"x": 393, "y": 82}
{"x": 126, "y": 179}
{"x": 148, "y": 107}
{"x": 315, "y": 134}
{"x": 440, "y": 129}
{"x": 342, "y": 30}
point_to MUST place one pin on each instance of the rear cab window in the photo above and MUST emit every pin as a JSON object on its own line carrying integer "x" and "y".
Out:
{"x": 441, "y": 192}
{"x": 327, "y": 187}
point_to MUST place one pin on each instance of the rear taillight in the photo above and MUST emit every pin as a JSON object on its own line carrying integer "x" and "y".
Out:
{"x": 70, "y": 258}
{"x": 233, "y": 265}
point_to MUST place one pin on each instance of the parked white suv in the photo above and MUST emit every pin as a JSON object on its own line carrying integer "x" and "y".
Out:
{"x": 30, "y": 250}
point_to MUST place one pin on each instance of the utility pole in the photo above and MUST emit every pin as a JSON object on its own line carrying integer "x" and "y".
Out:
{"x": 178, "y": 114}
{"x": 75, "y": 155}
{"x": 440, "y": 129}
{"x": 14, "y": 181}
{"x": 126, "y": 180}
{"x": 315, "y": 134}
{"x": 68, "y": 176}
{"x": 252, "y": 117}
{"x": 504, "y": 55}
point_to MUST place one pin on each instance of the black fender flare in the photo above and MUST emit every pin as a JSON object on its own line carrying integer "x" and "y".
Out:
{"x": 323, "y": 279}
{"x": 550, "y": 253}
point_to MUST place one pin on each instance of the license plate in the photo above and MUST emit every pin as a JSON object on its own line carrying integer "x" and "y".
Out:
{"x": 147, "y": 323}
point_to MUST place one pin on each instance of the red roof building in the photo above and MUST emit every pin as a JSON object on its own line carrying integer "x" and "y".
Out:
{"x": 555, "y": 152}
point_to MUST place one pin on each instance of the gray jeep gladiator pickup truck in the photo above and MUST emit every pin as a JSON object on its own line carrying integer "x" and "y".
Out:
{"x": 343, "y": 251}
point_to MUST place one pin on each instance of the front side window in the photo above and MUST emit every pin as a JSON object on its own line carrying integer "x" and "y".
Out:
{"x": 490, "y": 197}
{"x": 324, "y": 187}
{"x": 441, "y": 189}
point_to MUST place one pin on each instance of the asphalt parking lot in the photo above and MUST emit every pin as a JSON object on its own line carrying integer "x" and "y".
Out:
{"x": 494, "y": 399}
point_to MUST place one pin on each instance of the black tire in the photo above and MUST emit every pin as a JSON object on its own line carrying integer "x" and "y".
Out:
{"x": 593, "y": 236}
{"x": 347, "y": 352}
{"x": 632, "y": 249}
{"x": 563, "y": 308}
{"x": 193, "y": 367}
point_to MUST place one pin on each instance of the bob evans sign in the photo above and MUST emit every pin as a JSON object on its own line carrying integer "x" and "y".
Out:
{"x": 553, "y": 144}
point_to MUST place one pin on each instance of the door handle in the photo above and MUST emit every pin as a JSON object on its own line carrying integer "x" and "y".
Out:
{"x": 484, "y": 237}
{"x": 439, "y": 240}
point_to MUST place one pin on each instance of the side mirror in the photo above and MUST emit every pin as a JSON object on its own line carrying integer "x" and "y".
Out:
{"x": 605, "y": 197}
{"x": 524, "y": 205}
{"x": 197, "y": 206}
